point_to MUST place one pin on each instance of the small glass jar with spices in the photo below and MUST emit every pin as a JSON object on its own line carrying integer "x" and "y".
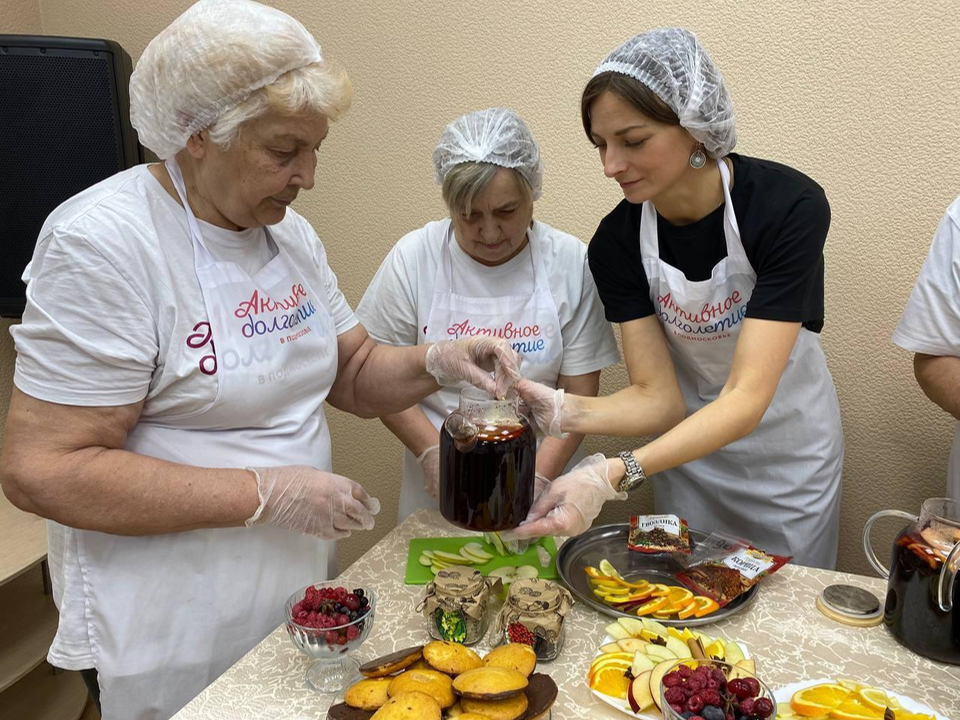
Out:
{"x": 455, "y": 605}
{"x": 534, "y": 613}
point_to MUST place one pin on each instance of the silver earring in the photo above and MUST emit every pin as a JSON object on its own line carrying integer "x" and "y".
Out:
{"x": 698, "y": 159}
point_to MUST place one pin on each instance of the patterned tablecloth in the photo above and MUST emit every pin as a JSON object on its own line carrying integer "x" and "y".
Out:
{"x": 790, "y": 638}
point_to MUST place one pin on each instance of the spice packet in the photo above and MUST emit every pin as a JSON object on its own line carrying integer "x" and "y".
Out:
{"x": 658, "y": 534}
{"x": 723, "y": 567}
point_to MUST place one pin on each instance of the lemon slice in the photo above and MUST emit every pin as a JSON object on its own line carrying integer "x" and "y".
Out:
{"x": 873, "y": 697}
{"x": 607, "y": 569}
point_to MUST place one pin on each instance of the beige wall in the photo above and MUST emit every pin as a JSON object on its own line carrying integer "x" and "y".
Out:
{"x": 862, "y": 96}
{"x": 19, "y": 17}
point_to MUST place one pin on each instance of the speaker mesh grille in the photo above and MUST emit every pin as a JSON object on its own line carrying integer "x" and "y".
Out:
{"x": 59, "y": 134}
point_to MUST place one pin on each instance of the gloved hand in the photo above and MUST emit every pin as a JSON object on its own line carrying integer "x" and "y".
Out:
{"x": 545, "y": 404}
{"x": 570, "y": 503}
{"x": 429, "y": 461}
{"x": 518, "y": 546}
{"x": 473, "y": 359}
{"x": 311, "y": 501}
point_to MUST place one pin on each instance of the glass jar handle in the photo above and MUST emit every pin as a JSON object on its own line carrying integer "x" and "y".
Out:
{"x": 948, "y": 577}
{"x": 868, "y": 546}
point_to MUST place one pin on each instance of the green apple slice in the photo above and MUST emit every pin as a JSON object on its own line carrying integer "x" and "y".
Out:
{"x": 507, "y": 574}
{"x": 617, "y": 631}
{"x": 425, "y": 560}
{"x": 641, "y": 663}
{"x": 678, "y": 648}
{"x": 477, "y": 551}
{"x": 527, "y": 572}
{"x": 632, "y": 626}
{"x": 734, "y": 653}
{"x": 450, "y": 558}
{"x": 658, "y": 651}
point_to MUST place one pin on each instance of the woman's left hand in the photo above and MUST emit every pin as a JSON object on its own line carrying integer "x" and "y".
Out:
{"x": 472, "y": 360}
{"x": 429, "y": 461}
{"x": 546, "y": 405}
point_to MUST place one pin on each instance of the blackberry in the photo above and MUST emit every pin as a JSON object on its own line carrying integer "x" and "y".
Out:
{"x": 358, "y": 592}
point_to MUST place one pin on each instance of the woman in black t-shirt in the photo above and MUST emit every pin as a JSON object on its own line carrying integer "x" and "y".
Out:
{"x": 713, "y": 266}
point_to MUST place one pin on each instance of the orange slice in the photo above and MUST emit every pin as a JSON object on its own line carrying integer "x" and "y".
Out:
{"x": 853, "y": 709}
{"x": 873, "y": 698}
{"x": 653, "y": 606}
{"x": 642, "y": 585}
{"x": 707, "y": 605}
{"x": 689, "y": 610}
{"x": 596, "y": 574}
{"x": 611, "y": 681}
{"x": 818, "y": 699}
{"x": 661, "y": 590}
{"x": 680, "y": 596}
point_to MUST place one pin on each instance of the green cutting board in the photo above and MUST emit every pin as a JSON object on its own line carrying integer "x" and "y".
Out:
{"x": 418, "y": 574}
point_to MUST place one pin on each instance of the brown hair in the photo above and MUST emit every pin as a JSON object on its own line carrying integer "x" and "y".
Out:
{"x": 631, "y": 91}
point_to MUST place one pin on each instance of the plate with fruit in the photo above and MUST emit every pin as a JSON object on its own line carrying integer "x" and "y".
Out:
{"x": 605, "y": 575}
{"x": 847, "y": 700}
{"x": 638, "y": 652}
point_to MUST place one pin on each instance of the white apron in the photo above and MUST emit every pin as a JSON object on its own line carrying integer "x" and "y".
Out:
{"x": 530, "y": 322}
{"x": 780, "y": 485}
{"x": 168, "y": 614}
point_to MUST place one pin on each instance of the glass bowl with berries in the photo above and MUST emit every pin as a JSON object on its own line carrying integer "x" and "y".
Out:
{"x": 714, "y": 690}
{"x": 329, "y": 622}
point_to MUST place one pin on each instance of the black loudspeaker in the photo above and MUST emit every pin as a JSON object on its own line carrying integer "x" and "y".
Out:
{"x": 64, "y": 126}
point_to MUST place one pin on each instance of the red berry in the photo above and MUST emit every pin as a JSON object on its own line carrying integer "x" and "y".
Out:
{"x": 672, "y": 679}
{"x": 352, "y": 602}
{"x": 352, "y": 632}
{"x": 685, "y": 672}
{"x": 696, "y": 683}
{"x": 763, "y": 707}
{"x": 674, "y": 695}
{"x": 728, "y": 716}
{"x": 331, "y": 637}
{"x": 695, "y": 717}
{"x": 754, "y": 686}
{"x": 341, "y": 619}
{"x": 342, "y": 640}
{"x": 695, "y": 704}
{"x": 713, "y": 683}
{"x": 740, "y": 688}
{"x": 711, "y": 697}
{"x": 747, "y": 706}
{"x": 718, "y": 675}
{"x": 678, "y": 709}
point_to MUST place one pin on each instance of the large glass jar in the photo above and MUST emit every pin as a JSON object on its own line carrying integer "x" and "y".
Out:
{"x": 455, "y": 606}
{"x": 922, "y": 607}
{"x": 534, "y": 613}
{"x": 488, "y": 459}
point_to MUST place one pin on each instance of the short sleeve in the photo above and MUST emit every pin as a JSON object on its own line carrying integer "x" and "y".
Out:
{"x": 617, "y": 266}
{"x": 588, "y": 340}
{"x": 388, "y": 309}
{"x": 790, "y": 269}
{"x": 343, "y": 316}
{"x": 87, "y": 337}
{"x": 931, "y": 321}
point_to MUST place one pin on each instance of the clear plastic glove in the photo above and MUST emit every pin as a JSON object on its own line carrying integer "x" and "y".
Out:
{"x": 473, "y": 359}
{"x": 570, "y": 503}
{"x": 311, "y": 501}
{"x": 429, "y": 461}
{"x": 544, "y": 403}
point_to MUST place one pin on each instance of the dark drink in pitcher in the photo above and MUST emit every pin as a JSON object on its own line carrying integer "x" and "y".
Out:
{"x": 911, "y": 610}
{"x": 488, "y": 457}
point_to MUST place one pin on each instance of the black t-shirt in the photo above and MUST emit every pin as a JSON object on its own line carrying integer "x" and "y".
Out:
{"x": 783, "y": 217}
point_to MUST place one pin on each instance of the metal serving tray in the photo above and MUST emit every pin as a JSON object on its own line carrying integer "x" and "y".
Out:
{"x": 610, "y": 542}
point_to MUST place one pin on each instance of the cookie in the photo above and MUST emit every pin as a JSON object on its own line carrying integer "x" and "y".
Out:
{"x": 342, "y": 711}
{"x": 453, "y": 711}
{"x": 409, "y": 706}
{"x": 510, "y": 708}
{"x": 472, "y": 716}
{"x": 367, "y": 694}
{"x": 420, "y": 664}
{"x": 489, "y": 683}
{"x": 515, "y": 656}
{"x": 541, "y": 693}
{"x": 450, "y": 658}
{"x": 430, "y": 682}
{"x": 392, "y": 663}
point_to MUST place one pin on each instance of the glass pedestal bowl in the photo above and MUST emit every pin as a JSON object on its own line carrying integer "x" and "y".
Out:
{"x": 723, "y": 675}
{"x": 330, "y": 647}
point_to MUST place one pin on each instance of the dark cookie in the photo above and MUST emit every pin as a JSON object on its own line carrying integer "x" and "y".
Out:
{"x": 342, "y": 711}
{"x": 542, "y": 694}
{"x": 394, "y": 662}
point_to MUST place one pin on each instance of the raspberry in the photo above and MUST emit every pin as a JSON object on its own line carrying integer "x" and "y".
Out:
{"x": 672, "y": 679}
{"x": 718, "y": 675}
{"x": 713, "y": 683}
{"x": 341, "y": 619}
{"x": 711, "y": 697}
{"x": 696, "y": 717}
{"x": 763, "y": 708}
{"x": 674, "y": 695}
{"x": 685, "y": 672}
{"x": 331, "y": 637}
{"x": 695, "y": 704}
{"x": 678, "y": 709}
{"x": 747, "y": 706}
{"x": 352, "y": 632}
{"x": 696, "y": 683}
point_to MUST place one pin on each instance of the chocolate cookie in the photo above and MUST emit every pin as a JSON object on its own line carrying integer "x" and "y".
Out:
{"x": 394, "y": 662}
{"x": 342, "y": 711}
{"x": 542, "y": 694}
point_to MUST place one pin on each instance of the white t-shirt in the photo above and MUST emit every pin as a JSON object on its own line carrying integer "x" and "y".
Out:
{"x": 112, "y": 298}
{"x": 395, "y": 308}
{"x": 931, "y": 321}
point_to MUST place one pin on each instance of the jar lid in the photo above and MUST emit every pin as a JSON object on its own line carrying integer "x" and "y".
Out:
{"x": 460, "y": 581}
{"x": 850, "y": 605}
{"x": 536, "y": 595}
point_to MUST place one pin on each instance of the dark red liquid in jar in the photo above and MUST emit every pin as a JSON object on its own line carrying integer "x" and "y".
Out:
{"x": 488, "y": 486}
{"x": 911, "y": 611}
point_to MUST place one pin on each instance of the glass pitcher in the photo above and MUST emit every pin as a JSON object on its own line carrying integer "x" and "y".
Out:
{"x": 488, "y": 459}
{"x": 922, "y": 601}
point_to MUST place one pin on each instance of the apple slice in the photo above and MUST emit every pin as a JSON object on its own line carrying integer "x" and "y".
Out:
{"x": 476, "y": 551}
{"x": 638, "y": 694}
{"x": 634, "y": 627}
{"x": 679, "y": 648}
{"x": 705, "y": 639}
{"x": 632, "y": 645}
{"x": 658, "y": 651}
{"x": 425, "y": 560}
{"x": 744, "y": 668}
{"x": 451, "y": 559}
{"x": 654, "y": 627}
{"x": 616, "y": 631}
{"x": 734, "y": 653}
{"x": 656, "y": 675}
{"x": 610, "y": 648}
{"x": 641, "y": 664}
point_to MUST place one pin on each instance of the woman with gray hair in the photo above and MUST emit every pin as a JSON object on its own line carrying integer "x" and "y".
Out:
{"x": 489, "y": 269}
{"x": 182, "y": 332}
{"x": 713, "y": 266}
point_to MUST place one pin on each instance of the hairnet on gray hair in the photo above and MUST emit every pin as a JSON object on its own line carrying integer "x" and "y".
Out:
{"x": 497, "y": 136}
{"x": 208, "y": 61}
{"x": 674, "y": 65}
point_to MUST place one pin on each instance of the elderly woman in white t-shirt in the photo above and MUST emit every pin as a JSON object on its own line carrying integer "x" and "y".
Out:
{"x": 488, "y": 269}
{"x": 182, "y": 331}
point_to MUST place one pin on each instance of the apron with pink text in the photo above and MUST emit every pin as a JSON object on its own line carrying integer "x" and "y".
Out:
{"x": 167, "y": 614}
{"x": 528, "y": 321}
{"x": 780, "y": 485}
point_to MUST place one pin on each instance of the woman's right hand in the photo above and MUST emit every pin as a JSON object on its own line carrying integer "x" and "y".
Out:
{"x": 570, "y": 503}
{"x": 311, "y": 501}
{"x": 472, "y": 360}
{"x": 545, "y": 403}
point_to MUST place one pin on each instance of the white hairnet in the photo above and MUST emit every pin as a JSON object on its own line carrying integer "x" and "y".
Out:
{"x": 496, "y": 135}
{"x": 209, "y": 60}
{"x": 674, "y": 65}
